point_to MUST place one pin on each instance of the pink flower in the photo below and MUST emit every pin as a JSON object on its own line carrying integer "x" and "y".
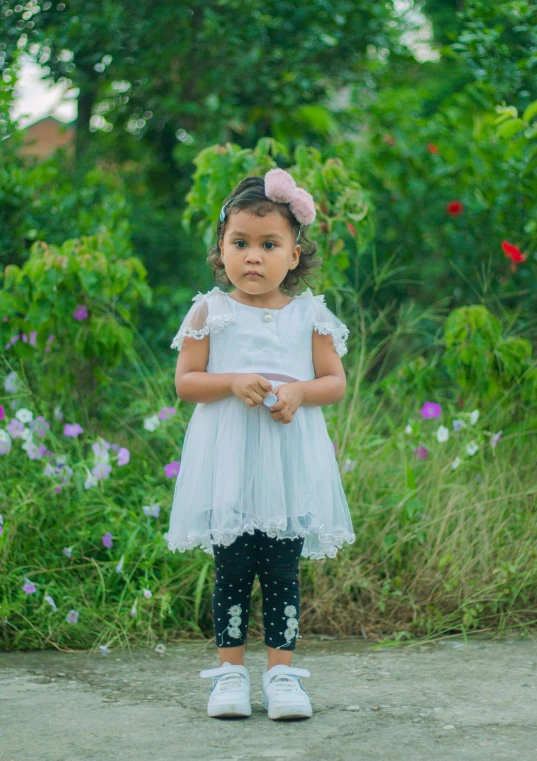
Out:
{"x": 107, "y": 540}
{"x": 431, "y": 409}
{"x": 421, "y": 452}
{"x": 2, "y": 413}
{"x": 33, "y": 338}
{"x": 172, "y": 468}
{"x": 73, "y": 430}
{"x": 80, "y": 312}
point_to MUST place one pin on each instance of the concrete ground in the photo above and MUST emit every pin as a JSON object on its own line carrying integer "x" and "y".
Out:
{"x": 447, "y": 701}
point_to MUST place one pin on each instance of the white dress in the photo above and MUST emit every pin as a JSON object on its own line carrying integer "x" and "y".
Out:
{"x": 240, "y": 469}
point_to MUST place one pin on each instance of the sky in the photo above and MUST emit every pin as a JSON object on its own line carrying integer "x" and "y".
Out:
{"x": 36, "y": 99}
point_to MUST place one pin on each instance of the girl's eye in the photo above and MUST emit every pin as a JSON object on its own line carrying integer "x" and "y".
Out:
{"x": 270, "y": 243}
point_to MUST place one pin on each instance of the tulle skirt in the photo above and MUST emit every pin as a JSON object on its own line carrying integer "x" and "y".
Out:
{"x": 241, "y": 470}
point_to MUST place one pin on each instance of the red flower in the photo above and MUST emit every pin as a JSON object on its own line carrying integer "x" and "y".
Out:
{"x": 454, "y": 208}
{"x": 432, "y": 148}
{"x": 351, "y": 229}
{"x": 513, "y": 253}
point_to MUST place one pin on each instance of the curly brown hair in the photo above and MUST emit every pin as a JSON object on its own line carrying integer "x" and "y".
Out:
{"x": 250, "y": 194}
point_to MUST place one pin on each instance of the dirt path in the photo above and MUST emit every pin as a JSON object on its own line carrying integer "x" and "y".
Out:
{"x": 449, "y": 701}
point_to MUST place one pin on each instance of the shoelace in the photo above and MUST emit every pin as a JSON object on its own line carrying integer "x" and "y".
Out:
{"x": 230, "y": 681}
{"x": 285, "y": 683}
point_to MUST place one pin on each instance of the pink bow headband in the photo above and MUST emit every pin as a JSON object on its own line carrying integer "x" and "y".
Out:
{"x": 280, "y": 187}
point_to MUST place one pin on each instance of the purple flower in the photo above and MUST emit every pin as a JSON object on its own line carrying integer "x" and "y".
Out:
{"x": 33, "y": 338}
{"x": 15, "y": 429}
{"x": 107, "y": 539}
{"x": 73, "y": 430}
{"x": 421, "y": 452}
{"x": 80, "y": 312}
{"x": 431, "y": 409}
{"x": 102, "y": 470}
{"x": 29, "y": 587}
{"x": 72, "y": 617}
{"x": 39, "y": 426}
{"x": 57, "y": 489}
{"x": 172, "y": 468}
{"x": 115, "y": 447}
{"x": 495, "y": 438}
{"x": 165, "y": 413}
{"x": 123, "y": 456}
{"x": 152, "y": 511}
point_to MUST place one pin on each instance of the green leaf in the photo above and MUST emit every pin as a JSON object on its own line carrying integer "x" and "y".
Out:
{"x": 511, "y": 128}
{"x": 530, "y": 111}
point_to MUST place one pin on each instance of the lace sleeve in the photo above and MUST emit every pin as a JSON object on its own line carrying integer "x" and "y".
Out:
{"x": 195, "y": 324}
{"x": 325, "y": 322}
{"x": 210, "y": 313}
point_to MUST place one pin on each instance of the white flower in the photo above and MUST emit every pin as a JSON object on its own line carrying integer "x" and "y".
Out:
{"x": 51, "y": 602}
{"x": 160, "y": 648}
{"x": 5, "y": 442}
{"x": 292, "y": 623}
{"x": 134, "y": 609}
{"x": 91, "y": 481}
{"x": 235, "y": 610}
{"x": 58, "y": 414}
{"x": 24, "y": 415}
{"x": 12, "y": 383}
{"x": 151, "y": 423}
{"x": 26, "y": 434}
{"x": 458, "y": 424}
{"x": 474, "y": 417}
{"x": 104, "y": 650}
{"x": 408, "y": 429}
{"x": 349, "y": 465}
{"x": 442, "y": 434}
{"x": 290, "y": 610}
{"x": 456, "y": 462}
{"x": 119, "y": 566}
{"x": 472, "y": 448}
{"x": 289, "y": 633}
{"x": 233, "y": 632}
{"x": 235, "y": 621}
{"x": 147, "y": 594}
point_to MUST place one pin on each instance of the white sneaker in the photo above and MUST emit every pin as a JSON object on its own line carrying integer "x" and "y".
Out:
{"x": 230, "y": 693}
{"x": 283, "y": 695}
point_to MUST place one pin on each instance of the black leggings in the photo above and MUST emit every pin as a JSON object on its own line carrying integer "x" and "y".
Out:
{"x": 276, "y": 563}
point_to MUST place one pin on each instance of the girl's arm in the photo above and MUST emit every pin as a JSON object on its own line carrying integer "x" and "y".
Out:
{"x": 192, "y": 381}
{"x": 330, "y": 383}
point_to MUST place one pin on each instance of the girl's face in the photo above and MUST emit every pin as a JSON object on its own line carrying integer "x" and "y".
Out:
{"x": 264, "y": 245}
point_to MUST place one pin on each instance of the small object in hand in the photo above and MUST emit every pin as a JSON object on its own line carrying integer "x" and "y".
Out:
{"x": 270, "y": 399}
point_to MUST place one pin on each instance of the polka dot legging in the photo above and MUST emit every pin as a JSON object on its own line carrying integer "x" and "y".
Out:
{"x": 276, "y": 562}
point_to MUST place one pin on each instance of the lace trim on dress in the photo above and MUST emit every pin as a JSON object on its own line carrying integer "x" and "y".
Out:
{"x": 333, "y": 542}
{"x": 214, "y": 323}
{"x": 339, "y": 334}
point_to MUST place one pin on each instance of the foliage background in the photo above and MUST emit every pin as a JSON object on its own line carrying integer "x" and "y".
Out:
{"x": 423, "y": 168}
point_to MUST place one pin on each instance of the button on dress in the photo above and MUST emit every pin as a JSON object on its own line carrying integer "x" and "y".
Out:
{"x": 240, "y": 469}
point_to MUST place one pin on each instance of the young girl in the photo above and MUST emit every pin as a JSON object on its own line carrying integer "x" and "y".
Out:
{"x": 259, "y": 484}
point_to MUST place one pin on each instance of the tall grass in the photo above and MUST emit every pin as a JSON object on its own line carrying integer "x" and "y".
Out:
{"x": 437, "y": 549}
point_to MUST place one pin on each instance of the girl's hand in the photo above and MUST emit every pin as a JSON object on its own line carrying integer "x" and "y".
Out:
{"x": 290, "y": 397}
{"x": 250, "y": 388}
